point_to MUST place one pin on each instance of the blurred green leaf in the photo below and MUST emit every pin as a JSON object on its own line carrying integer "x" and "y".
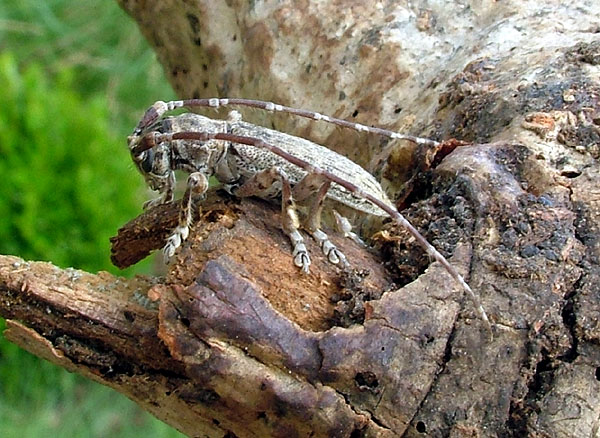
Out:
{"x": 97, "y": 41}
{"x": 67, "y": 180}
{"x": 76, "y": 76}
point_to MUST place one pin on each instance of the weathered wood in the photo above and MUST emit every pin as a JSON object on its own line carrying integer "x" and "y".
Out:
{"x": 523, "y": 74}
{"x": 517, "y": 78}
{"x": 248, "y": 232}
{"x": 218, "y": 357}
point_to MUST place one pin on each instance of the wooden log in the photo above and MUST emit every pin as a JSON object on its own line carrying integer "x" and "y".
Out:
{"x": 518, "y": 208}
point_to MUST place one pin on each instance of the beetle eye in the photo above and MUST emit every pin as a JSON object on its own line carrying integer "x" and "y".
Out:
{"x": 148, "y": 161}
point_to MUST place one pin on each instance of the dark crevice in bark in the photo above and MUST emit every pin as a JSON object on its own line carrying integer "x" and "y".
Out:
{"x": 570, "y": 320}
{"x": 585, "y": 234}
{"x": 521, "y": 411}
{"x": 372, "y": 416}
{"x": 357, "y": 433}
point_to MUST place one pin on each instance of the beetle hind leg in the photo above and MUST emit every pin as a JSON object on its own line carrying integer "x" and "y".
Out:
{"x": 344, "y": 226}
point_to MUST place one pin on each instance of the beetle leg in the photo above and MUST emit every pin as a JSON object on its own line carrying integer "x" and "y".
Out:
{"x": 344, "y": 226}
{"x": 261, "y": 184}
{"x": 315, "y": 187}
{"x": 165, "y": 196}
{"x": 197, "y": 184}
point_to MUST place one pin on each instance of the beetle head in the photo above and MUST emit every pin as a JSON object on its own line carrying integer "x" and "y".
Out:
{"x": 153, "y": 160}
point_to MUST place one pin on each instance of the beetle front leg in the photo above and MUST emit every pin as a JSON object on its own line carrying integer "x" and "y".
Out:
{"x": 261, "y": 184}
{"x": 166, "y": 194}
{"x": 197, "y": 184}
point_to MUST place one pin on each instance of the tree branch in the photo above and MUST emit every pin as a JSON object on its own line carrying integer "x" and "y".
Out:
{"x": 246, "y": 347}
{"x": 218, "y": 352}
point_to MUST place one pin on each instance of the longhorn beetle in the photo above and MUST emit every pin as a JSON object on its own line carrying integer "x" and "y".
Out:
{"x": 254, "y": 161}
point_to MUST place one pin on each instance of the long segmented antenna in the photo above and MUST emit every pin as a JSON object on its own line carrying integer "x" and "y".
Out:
{"x": 151, "y": 139}
{"x": 159, "y": 108}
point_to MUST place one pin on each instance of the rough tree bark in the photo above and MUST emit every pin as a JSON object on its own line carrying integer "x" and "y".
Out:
{"x": 237, "y": 343}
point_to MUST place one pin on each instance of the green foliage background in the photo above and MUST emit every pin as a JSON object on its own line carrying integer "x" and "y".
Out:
{"x": 74, "y": 77}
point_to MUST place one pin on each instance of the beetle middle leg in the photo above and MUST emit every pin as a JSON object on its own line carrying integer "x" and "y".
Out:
{"x": 313, "y": 187}
{"x": 261, "y": 184}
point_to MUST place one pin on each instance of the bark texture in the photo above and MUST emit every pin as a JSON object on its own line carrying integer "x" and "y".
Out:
{"x": 240, "y": 345}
